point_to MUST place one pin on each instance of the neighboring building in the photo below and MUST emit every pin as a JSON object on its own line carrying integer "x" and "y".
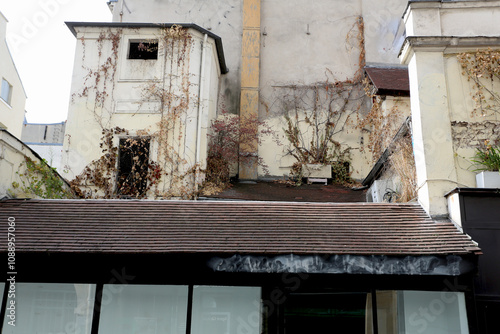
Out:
{"x": 24, "y": 174}
{"x": 12, "y": 95}
{"x": 46, "y": 140}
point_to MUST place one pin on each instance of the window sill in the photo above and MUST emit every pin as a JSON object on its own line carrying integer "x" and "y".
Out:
{"x": 5, "y": 102}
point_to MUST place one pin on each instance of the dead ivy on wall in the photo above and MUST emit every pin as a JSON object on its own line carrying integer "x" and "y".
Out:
{"x": 316, "y": 114}
{"x": 162, "y": 172}
{"x": 402, "y": 161}
{"x": 483, "y": 69}
{"x": 99, "y": 83}
{"x": 382, "y": 125}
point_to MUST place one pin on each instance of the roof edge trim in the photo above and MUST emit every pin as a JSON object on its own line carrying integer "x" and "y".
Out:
{"x": 216, "y": 38}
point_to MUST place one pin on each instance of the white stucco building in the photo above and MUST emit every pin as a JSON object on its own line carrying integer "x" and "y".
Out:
{"x": 12, "y": 94}
{"x": 152, "y": 90}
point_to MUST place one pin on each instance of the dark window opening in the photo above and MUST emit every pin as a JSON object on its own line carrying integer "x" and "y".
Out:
{"x": 143, "y": 50}
{"x": 133, "y": 167}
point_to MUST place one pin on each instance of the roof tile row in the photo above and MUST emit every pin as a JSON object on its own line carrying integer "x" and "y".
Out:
{"x": 135, "y": 226}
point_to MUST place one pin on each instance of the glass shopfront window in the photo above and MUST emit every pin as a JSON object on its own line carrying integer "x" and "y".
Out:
{"x": 225, "y": 310}
{"x": 437, "y": 312}
{"x": 45, "y": 308}
{"x": 145, "y": 309}
{"x": 51, "y": 308}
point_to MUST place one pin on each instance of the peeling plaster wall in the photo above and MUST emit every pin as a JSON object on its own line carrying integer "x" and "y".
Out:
{"x": 469, "y": 129}
{"x": 302, "y": 40}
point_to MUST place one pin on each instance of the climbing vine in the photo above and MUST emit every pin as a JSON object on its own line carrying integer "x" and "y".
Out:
{"x": 152, "y": 161}
{"x": 314, "y": 115}
{"x": 41, "y": 180}
{"x": 381, "y": 123}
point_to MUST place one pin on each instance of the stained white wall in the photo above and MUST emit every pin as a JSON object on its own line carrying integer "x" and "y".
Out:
{"x": 11, "y": 114}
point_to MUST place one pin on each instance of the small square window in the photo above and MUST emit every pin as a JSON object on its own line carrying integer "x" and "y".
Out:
{"x": 145, "y": 49}
{"x": 6, "y": 92}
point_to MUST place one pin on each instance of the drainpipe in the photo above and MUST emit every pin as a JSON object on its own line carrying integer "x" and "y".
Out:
{"x": 201, "y": 87}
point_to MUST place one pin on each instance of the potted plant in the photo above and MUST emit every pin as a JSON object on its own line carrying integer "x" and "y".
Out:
{"x": 488, "y": 159}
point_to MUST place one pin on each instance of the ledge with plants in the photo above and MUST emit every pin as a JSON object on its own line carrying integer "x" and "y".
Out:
{"x": 487, "y": 159}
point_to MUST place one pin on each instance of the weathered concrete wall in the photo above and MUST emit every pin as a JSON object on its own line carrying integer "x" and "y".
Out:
{"x": 384, "y": 29}
{"x": 157, "y": 97}
{"x": 299, "y": 41}
{"x": 303, "y": 42}
{"x": 11, "y": 114}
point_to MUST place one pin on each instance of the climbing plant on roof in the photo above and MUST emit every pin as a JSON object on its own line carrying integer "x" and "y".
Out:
{"x": 40, "y": 180}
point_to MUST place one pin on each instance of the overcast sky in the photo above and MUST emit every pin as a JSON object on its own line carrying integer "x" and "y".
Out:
{"x": 43, "y": 49}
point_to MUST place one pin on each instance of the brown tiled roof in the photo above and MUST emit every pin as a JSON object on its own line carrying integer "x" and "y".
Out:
{"x": 133, "y": 226}
{"x": 389, "y": 80}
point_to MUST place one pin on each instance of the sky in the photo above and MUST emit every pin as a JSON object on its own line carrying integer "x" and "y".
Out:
{"x": 43, "y": 50}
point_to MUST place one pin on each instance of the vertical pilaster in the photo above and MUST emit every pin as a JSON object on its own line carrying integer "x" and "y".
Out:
{"x": 249, "y": 101}
{"x": 432, "y": 137}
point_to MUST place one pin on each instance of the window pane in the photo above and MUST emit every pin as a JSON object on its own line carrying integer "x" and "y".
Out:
{"x": 225, "y": 310}
{"x": 5, "y": 92}
{"x": 52, "y": 308}
{"x": 434, "y": 312}
{"x": 144, "y": 309}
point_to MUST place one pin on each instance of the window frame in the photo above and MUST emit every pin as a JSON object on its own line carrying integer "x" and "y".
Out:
{"x": 147, "y": 42}
{"x": 7, "y": 99}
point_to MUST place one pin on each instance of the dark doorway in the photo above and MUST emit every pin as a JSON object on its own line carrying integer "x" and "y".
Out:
{"x": 133, "y": 167}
